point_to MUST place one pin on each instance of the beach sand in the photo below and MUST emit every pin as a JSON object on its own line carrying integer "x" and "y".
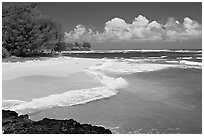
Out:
{"x": 59, "y": 67}
{"x": 36, "y": 79}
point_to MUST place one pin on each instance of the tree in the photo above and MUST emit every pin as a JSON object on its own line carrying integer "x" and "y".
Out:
{"x": 5, "y": 53}
{"x": 26, "y": 31}
{"x": 86, "y": 45}
{"x": 60, "y": 46}
{"x": 76, "y": 44}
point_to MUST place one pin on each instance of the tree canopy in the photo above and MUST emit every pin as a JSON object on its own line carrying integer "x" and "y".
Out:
{"x": 26, "y": 31}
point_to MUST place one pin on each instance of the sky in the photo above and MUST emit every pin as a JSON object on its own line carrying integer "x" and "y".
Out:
{"x": 130, "y": 25}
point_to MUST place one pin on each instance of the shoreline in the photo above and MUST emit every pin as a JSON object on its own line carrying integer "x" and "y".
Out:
{"x": 50, "y": 84}
{"x": 45, "y": 78}
{"x": 51, "y": 66}
{"x": 129, "y": 112}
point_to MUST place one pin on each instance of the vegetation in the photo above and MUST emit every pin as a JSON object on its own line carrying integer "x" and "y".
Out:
{"x": 26, "y": 32}
{"x": 5, "y": 53}
{"x": 85, "y": 46}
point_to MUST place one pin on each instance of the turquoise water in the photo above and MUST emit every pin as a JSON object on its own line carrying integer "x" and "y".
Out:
{"x": 160, "y": 92}
{"x": 166, "y": 101}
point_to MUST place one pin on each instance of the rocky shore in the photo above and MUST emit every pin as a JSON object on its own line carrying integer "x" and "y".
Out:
{"x": 14, "y": 124}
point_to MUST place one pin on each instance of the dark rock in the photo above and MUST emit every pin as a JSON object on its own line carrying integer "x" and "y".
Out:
{"x": 9, "y": 114}
{"x": 14, "y": 124}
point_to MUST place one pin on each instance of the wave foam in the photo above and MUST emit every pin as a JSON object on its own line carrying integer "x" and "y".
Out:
{"x": 128, "y": 66}
{"x": 110, "y": 84}
{"x": 187, "y": 58}
{"x": 69, "y": 98}
{"x": 7, "y": 104}
{"x": 199, "y": 58}
{"x": 196, "y": 51}
{"x": 73, "y": 97}
{"x": 187, "y": 64}
{"x": 190, "y": 63}
{"x": 124, "y": 67}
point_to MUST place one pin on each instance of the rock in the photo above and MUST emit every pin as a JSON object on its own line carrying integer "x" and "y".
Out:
{"x": 9, "y": 114}
{"x": 14, "y": 124}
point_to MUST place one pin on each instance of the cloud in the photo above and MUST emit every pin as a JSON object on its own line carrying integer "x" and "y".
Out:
{"x": 115, "y": 29}
{"x": 80, "y": 34}
{"x": 189, "y": 29}
{"x": 141, "y": 28}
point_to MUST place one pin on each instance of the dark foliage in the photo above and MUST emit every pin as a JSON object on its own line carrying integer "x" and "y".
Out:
{"x": 85, "y": 46}
{"x": 26, "y": 31}
{"x": 5, "y": 53}
{"x": 60, "y": 46}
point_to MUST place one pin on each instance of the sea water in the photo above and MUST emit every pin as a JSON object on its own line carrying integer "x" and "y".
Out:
{"x": 138, "y": 91}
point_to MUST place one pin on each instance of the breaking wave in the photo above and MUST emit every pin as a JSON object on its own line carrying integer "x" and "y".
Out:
{"x": 124, "y": 67}
{"x": 70, "y": 98}
{"x": 110, "y": 85}
{"x": 73, "y": 97}
{"x": 187, "y": 64}
{"x": 129, "y": 66}
{"x": 199, "y": 58}
{"x": 136, "y": 50}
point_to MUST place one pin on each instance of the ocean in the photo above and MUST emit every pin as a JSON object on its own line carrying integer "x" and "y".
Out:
{"x": 129, "y": 92}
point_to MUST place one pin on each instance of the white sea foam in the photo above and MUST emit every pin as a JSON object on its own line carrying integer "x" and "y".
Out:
{"x": 143, "y": 50}
{"x": 126, "y": 51}
{"x": 110, "y": 84}
{"x": 198, "y": 57}
{"x": 187, "y": 58}
{"x": 138, "y": 50}
{"x": 128, "y": 66}
{"x": 124, "y": 67}
{"x": 73, "y": 97}
{"x": 6, "y": 104}
{"x": 188, "y": 50}
{"x": 187, "y": 64}
{"x": 191, "y": 63}
{"x": 70, "y": 98}
{"x": 155, "y": 57}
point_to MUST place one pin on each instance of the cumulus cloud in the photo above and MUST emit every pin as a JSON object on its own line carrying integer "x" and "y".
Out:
{"x": 80, "y": 34}
{"x": 141, "y": 28}
{"x": 189, "y": 29}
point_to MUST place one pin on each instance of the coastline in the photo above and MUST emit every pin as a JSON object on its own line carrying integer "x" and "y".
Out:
{"x": 149, "y": 98}
{"x": 45, "y": 78}
{"x": 70, "y": 65}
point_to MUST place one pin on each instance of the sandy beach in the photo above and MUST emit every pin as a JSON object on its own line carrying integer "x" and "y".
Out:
{"x": 25, "y": 81}
{"x": 126, "y": 96}
{"x": 59, "y": 67}
{"x": 132, "y": 68}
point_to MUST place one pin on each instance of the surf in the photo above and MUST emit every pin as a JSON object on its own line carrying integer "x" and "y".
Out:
{"x": 72, "y": 97}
